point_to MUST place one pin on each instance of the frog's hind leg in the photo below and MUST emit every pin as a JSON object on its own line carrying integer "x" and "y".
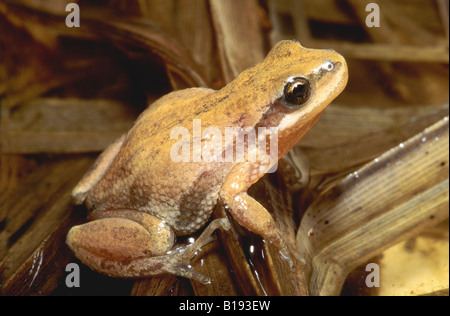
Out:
{"x": 97, "y": 171}
{"x": 132, "y": 244}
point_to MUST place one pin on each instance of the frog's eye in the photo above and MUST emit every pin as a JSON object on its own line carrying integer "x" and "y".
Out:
{"x": 297, "y": 92}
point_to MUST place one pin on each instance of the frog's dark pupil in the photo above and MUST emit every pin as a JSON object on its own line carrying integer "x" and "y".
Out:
{"x": 297, "y": 91}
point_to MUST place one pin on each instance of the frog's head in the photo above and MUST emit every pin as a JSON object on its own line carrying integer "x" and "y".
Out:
{"x": 292, "y": 87}
{"x": 304, "y": 79}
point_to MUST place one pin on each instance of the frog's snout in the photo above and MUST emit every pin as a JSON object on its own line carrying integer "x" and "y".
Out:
{"x": 342, "y": 68}
{"x": 339, "y": 66}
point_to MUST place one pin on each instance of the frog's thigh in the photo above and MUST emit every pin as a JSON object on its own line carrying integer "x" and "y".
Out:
{"x": 120, "y": 246}
{"x": 96, "y": 171}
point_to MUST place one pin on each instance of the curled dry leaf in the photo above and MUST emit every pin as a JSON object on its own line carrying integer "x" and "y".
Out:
{"x": 389, "y": 199}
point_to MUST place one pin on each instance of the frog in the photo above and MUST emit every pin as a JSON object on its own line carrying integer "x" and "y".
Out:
{"x": 140, "y": 199}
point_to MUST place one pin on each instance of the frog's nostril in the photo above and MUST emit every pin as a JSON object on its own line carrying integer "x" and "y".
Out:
{"x": 328, "y": 66}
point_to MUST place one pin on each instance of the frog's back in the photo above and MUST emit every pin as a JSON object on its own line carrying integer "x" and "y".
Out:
{"x": 144, "y": 177}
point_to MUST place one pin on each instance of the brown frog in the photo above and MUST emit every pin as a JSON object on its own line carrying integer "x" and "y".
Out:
{"x": 141, "y": 194}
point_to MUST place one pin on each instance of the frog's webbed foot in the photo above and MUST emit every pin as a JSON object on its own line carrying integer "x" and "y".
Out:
{"x": 179, "y": 259}
{"x": 187, "y": 272}
{"x": 189, "y": 251}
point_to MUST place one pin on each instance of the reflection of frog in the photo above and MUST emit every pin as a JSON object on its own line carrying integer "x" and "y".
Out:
{"x": 140, "y": 198}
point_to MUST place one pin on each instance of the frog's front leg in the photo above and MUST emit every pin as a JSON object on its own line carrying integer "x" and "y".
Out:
{"x": 250, "y": 214}
{"x": 133, "y": 244}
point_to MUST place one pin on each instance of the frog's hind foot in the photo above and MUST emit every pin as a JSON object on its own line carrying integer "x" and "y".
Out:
{"x": 189, "y": 251}
{"x": 187, "y": 272}
{"x": 178, "y": 261}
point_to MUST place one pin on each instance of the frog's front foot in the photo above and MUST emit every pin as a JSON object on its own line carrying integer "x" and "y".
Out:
{"x": 252, "y": 215}
{"x": 288, "y": 252}
{"x": 132, "y": 244}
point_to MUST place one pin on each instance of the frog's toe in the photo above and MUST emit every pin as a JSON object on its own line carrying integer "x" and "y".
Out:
{"x": 288, "y": 252}
{"x": 225, "y": 223}
{"x": 285, "y": 254}
{"x": 187, "y": 271}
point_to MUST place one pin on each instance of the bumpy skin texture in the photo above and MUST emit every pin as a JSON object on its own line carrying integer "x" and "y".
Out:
{"x": 136, "y": 175}
{"x": 143, "y": 176}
